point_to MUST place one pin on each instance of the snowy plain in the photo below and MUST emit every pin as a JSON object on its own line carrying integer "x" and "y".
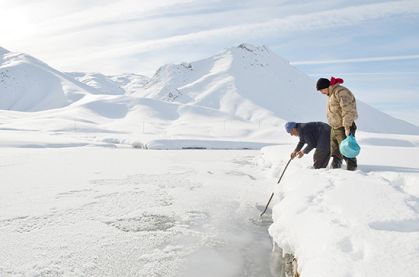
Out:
{"x": 84, "y": 192}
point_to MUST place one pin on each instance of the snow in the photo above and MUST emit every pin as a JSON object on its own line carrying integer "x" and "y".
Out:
{"x": 83, "y": 192}
{"x": 114, "y": 85}
{"x": 29, "y": 85}
{"x": 104, "y": 212}
{"x": 366, "y": 222}
{"x": 244, "y": 93}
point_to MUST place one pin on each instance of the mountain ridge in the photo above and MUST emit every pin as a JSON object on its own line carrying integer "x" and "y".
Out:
{"x": 249, "y": 83}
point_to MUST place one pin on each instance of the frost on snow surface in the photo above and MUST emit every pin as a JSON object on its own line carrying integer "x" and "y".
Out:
{"x": 126, "y": 212}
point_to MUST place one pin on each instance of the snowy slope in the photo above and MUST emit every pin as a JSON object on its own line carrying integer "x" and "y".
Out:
{"x": 27, "y": 84}
{"x": 243, "y": 94}
{"x": 255, "y": 84}
{"x": 114, "y": 84}
{"x": 246, "y": 81}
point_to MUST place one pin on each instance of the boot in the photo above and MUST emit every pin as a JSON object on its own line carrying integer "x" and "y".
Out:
{"x": 336, "y": 162}
{"x": 351, "y": 164}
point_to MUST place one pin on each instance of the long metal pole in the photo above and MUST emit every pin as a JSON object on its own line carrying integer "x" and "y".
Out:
{"x": 272, "y": 195}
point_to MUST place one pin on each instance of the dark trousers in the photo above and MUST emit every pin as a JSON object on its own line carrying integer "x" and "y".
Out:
{"x": 336, "y": 137}
{"x": 321, "y": 158}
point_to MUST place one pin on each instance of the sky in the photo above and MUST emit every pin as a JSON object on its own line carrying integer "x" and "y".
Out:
{"x": 373, "y": 45}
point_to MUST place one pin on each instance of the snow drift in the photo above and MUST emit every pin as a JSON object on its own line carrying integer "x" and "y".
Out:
{"x": 343, "y": 223}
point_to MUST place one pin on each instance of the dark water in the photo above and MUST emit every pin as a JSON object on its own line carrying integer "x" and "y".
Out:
{"x": 277, "y": 263}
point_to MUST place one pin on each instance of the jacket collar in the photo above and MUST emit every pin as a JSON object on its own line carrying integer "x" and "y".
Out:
{"x": 331, "y": 89}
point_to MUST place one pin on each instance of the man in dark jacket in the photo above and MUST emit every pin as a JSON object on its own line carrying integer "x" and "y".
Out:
{"x": 315, "y": 135}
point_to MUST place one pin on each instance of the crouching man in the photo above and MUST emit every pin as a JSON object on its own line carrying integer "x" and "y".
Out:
{"x": 315, "y": 135}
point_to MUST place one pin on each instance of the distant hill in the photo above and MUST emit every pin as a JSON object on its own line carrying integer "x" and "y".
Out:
{"x": 115, "y": 84}
{"x": 255, "y": 84}
{"x": 249, "y": 85}
{"x": 28, "y": 84}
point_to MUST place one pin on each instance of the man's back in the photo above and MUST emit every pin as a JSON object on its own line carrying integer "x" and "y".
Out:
{"x": 315, "y": 134}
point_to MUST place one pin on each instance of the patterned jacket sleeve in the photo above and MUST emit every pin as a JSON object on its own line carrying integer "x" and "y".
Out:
{"x": 348, "y": 106}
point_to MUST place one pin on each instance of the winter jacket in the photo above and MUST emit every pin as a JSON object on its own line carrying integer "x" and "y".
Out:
{"x": 315, "y": 135}
{"x": 341, "y": 107}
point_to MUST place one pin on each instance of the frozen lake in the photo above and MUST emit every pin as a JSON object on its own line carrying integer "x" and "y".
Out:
{"x": 126, "y": 212}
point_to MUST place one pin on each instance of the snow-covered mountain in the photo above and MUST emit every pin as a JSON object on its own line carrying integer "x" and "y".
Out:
{"x": 255, "y": 84}
{"x": 244, "y": 93}
{"x": 28, "y": 84}
{"x": 246, "y": 81}
{"x": 114, "y": 84}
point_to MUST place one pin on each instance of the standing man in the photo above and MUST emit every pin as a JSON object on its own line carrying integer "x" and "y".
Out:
{"x": 315, "y": 135}
{"x": 341, "y": 114}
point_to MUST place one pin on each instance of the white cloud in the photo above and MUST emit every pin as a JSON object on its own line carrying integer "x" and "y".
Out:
{"x": 92, "y": 35}
{"x": 359, "y": 60}
{"x": 124, "y": 12}
{"x": 87, "y": 26}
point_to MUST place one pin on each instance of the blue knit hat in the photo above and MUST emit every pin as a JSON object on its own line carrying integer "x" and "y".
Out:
{"x": 289, "y": 126}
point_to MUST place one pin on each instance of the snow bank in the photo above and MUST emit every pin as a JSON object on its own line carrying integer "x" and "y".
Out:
{"x": 342, "y": 223}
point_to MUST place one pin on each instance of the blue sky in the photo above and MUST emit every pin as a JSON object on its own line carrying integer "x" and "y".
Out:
{"x": 373, "y": 45}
